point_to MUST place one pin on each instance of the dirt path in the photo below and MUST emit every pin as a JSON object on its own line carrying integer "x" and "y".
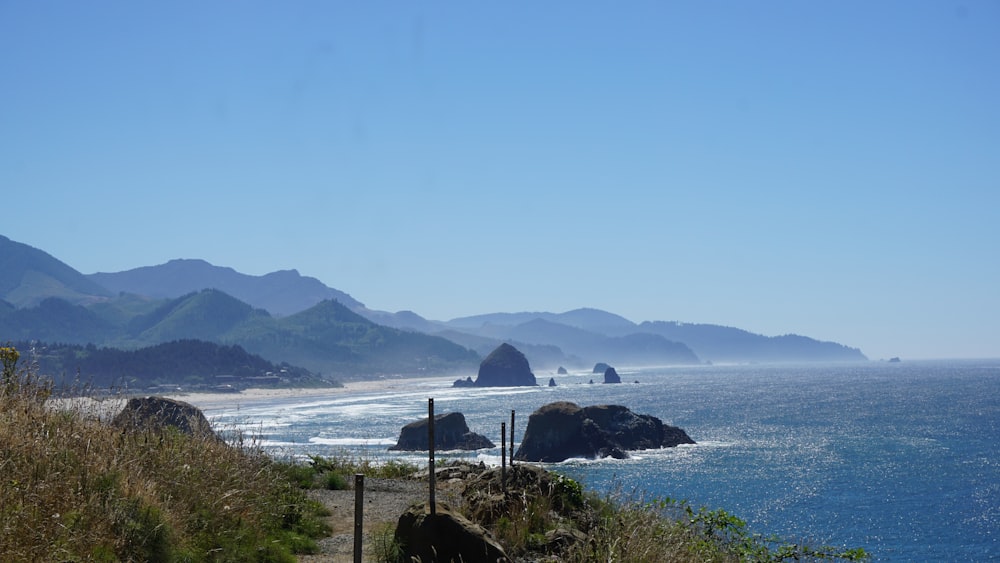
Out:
{"x": 384, "y": 501}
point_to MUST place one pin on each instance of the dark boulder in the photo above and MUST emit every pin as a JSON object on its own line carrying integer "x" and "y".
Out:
{"x": 450, "y": 433}
{"x": 158, "y": 413}
{"x": 444, "y": 536}
{"x": 552, "y": 382}
{"x": 611, "y": 376}
{"x": 505, "y": 367}
{"x": 601, "y": 367}
{"x": 562, "y": 430}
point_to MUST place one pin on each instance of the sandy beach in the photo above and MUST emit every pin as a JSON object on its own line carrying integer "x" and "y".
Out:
{"x": 106, "y": 408}
{"x": 210, "y": 401}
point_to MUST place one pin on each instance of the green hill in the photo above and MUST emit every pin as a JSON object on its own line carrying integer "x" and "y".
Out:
{"x": 205, "y": 315}
{"x": 55, "y": 320}
{"x": 331, "y": 338}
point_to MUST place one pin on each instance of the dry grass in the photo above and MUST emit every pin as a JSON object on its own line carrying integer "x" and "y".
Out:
{"x": 75, "y": 489}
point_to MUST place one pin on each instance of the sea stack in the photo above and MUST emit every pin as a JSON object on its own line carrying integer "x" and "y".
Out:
{"x": 562, "y": 430}
{"x": 506, "y": 366}
{"x": 611, "y": 376}
{"x": 450, "y": 433}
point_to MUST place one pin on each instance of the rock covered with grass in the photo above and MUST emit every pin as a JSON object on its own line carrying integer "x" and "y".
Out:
{"x": 158, "y": 413}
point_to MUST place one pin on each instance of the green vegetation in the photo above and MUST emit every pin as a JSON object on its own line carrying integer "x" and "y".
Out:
{"x": 335, "y": 473}
{"x": 542, "y": 516}
{"x": 628, "y": 529}
{"x": 75, "y": 489}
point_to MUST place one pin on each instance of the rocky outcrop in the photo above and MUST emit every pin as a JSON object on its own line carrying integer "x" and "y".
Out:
{"x": 552, "y": 382}
{"x": 445, "y": 535}
{"x": 158, "y": 413}
{"x": 506, "y": 366}
{"x": 601, "y": 367}
{"x": 450, "y": 433}
{"x": 611, "y": 376}
{"x": 562, "y": 430}
{"x": 467, "y": 382}
{"x": 561, "y": 371}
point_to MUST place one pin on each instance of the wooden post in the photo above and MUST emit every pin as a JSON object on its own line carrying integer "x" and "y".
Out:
{"x": 430, "y": 444}
{"x": 512, "y": 438}
{"x": 359, "y": 510}
{"x": 503, "y": 454}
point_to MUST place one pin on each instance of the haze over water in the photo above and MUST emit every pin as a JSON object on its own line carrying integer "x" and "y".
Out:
{"x": 901, "y": 459}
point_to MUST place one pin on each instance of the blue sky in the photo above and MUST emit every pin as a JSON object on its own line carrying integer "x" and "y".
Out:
{"x": 829, "y": 169}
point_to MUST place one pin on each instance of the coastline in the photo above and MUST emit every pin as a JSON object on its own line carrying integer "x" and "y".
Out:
{"x": 211, "y": 401}
{"x": 105, "y": 408}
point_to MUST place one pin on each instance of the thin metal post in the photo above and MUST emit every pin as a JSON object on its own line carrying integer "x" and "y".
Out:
{"x": 503, "y": 454}
{"x": 359, "y": 509}
{"x": 430, "y": 444}
{"x": 512, "y": 438}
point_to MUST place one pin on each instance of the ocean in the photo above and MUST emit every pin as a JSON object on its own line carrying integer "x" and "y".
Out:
{"x": 902, "y": 459}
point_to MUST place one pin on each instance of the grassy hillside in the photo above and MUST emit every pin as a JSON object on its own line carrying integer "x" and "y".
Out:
{"x": 76, "y": 489}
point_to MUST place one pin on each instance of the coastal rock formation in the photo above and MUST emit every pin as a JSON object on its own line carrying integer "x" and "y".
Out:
{"x": 561, "y": 371}
{"x": 601, "y": 367}
{"x": 444, "y": 536}
{"x": 561, "y": 430}
{"x": 450, "y": 433}
{"x": 552, "y": 382}
{"x": 506, "y": 366}
{"x": 611, "y": 376}
{"x": 158, "y": 413}
{"x": 467, "y": 382}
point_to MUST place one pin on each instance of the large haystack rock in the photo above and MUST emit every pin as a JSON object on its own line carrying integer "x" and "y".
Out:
{"x": 559, "y": 431}
{"x": 450, "y": 433}
{"x": 505, "y": 367}
{"x": 444, "y": 536}
{"x": 159, "y": 413}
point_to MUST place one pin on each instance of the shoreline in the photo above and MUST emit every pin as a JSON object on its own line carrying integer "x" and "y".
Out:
{"x": 106, "y": 408}
{"x": 212, "y": 401}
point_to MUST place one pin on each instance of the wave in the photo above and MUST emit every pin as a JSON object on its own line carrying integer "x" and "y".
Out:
{"x": 353, "y": 441}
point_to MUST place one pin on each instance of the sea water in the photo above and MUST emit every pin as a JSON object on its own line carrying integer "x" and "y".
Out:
{"x": 902, "y": 459}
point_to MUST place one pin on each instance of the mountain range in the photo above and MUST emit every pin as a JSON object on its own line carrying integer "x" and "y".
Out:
{"x": 286, "y": 317}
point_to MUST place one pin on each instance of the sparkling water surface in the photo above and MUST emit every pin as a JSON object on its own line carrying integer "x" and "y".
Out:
{"x": 900, "y": 459}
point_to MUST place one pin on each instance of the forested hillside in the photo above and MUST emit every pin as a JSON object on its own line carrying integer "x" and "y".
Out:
{"x": 186, "y": 364}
